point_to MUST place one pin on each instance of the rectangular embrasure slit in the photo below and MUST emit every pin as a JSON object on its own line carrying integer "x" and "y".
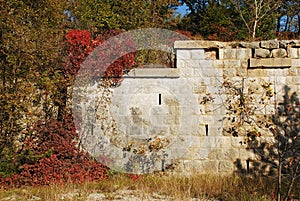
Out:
{"x": 159, "y": 99}
{"x": 248, "y": 165}
{"x": 206, "y": 129}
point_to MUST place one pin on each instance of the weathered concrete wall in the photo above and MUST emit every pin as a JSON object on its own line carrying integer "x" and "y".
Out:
{"x": 168, "y": 103}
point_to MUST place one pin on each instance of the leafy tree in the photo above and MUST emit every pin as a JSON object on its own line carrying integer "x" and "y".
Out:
{"x": 288, "y": 20}
{"x": 255, "y": 14}
{"x": 239, "y": 20}
{"x": 30, "y": 47}
{"x": 212, "y": 19}
{"x": 31, "y": 54}
{"x": 98, "y": 16}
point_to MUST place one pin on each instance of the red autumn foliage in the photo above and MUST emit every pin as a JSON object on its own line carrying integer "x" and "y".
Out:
{"x": 114, "y": 57}
{"x": 183, "y": 32}
{"x": 79, "y": 46}
{"x": 222, "y": 33}
{"x": 51, "y": 155}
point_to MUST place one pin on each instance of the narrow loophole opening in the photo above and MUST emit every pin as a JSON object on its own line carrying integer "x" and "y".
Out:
{"x": 206, "y": 129}
{"x": 159, "y": 99}
{"x": 248, "y": 165}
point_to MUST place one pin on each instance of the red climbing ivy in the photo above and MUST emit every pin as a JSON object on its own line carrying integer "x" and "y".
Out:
{"x": 81, "y": 44}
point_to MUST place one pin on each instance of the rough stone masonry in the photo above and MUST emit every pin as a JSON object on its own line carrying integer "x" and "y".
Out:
{"x": 164, "y": 107}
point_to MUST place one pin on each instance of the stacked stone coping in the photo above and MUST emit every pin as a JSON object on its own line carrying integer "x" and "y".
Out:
{"x": 262, "y": 49}
{"x": 236, "y": 58}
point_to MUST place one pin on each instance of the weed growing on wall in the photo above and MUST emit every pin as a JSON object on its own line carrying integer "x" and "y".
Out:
{"x": 270, "y": 129}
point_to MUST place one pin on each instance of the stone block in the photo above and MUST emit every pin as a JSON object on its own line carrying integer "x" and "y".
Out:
{"x": 241, "y": 72}
{"x": 244, "y": 63}
{"x": 209, "y": 109}
{"x": 198, "y": 89}
{"x": 246, "y": 154}
{"x": 271, "y": 62}
{"x": 230, "y": 154}
{"x": 281, "y": 80}
{"x": 210, "y": 72}
{"x": 207, "y": 141}
{"x": 216, "y": 81}
{"x": 195, "y": 64}
{"x": 244, "y": 44}
{"x": 202, "y": 154}
{"x": 232, "y": 63}
{"x": 207, "y": 63}
{"x": 225, "y": 166}
{"x": 279, "y": 53}
{"x": 297, "y": 80}
{"x": 290, "y": 80}
{"x": 193, "y": 166}
{"x": 283, "y": 44}
{"x": 201, "y": 130}
{"x": 153, "y": 73}
{"x": 218, "y": 63}
{"x": 190, "y": 154}
{"x": 261, "y": 53}
{"x": 270, "y": 71}
{"x": 237, "y": 142}
{"x": 206, "y": 81}
{"x": 229, "y": 72}
{"x": 215, "y": 154}
{"x": 210, "y": 166}
{"x": 293, "y": 52}
{"x": 221, "y": 53}
{"x": 196, "y": 44}
{"x": 281, "y": 71}
{"x": 243, "y": 54}
{"x": 229, "y": 53}
{"x": 223, "y": 141}
{"x": 254, "y": 45}
{"x": 183, "y": 54}
{"x": 187, "y": 72}
{"x": 181, "y": 63}
{"x": 296, "y": 62}
{"x": 270, "y": 44}
{"x": 197, "y": 54}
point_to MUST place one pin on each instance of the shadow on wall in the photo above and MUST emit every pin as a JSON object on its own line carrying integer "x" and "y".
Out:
{"x": 278, "y": 156}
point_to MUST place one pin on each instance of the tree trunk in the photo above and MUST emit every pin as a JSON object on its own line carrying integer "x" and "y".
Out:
{"x": 63, "y": 91}
{"x": 298, "y": 25}
{"x": 294, "y": 175}
{"x": 287, "y": 24}
{"x": 278, "y": 24}
{"x": 279, "y": 180}
{"x": 254, "y": 29}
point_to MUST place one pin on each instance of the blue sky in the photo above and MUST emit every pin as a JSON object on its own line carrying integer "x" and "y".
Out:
{"x": 182, "y": 9}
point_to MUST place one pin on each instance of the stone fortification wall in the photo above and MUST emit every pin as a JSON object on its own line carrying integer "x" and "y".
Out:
{"x": 181, "y": 110}
{"x": 207, "y": 65}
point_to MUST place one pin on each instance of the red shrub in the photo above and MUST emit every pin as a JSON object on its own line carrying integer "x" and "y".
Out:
{"x": 52, "y": 156}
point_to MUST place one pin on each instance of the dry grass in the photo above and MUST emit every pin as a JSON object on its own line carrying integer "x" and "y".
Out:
{"x": 178, "y": 187}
